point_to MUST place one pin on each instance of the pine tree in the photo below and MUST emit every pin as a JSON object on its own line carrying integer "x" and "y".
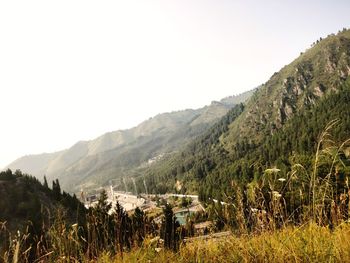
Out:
{"x": 102, "y": 205}
{"x": 138, "y": 221}
{"x": 169, "y": 228}
{"x": 102, "y": 221}
{"x": 56, "y": 189}
{"x": 123, "y": 231}
{"x": 45, "y": 182}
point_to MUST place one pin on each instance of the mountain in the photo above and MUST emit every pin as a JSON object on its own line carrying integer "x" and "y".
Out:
{"x": 279, "y": 125}
{"x": 89, "y": 164}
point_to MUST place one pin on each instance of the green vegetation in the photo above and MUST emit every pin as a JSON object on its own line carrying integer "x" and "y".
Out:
{"x": 273, "y": 172}
{"x": 279, "y": 126}
{"x": 47, "y": 225}
{"x": 196, "y": 158}
{"x": 313, "y": 204}
{"x": 29, "y": 207}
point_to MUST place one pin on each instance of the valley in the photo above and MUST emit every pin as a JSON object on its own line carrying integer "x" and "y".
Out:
{"x": 262, "y": 176}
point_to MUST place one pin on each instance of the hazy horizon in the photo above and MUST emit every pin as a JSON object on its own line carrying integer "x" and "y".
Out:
{"x": 74, "y": 70}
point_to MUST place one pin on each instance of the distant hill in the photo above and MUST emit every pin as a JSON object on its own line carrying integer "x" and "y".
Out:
{"x": 89, "y": 164}
{"x": 279, "y": 125}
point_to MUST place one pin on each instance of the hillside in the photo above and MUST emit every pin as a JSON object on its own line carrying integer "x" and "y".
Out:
{"x": 279, "y": 125}
{"x": 24, "y": 199}
{"x": 29, "y": 207}
{"x": 272, "y": 176}
{"x": 88, "y": 164}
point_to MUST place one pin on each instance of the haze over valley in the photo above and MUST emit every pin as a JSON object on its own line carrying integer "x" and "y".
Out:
{"x": 182, "y": 131}
{"x": 114, "y": 155}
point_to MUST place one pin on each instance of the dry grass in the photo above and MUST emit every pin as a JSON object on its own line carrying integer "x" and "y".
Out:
{"x": 275, "y": 234}
{"x": 309, "y": 243}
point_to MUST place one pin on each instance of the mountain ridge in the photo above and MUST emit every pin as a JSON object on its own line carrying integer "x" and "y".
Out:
{"x": 89, "y": 156}
{"x": 247, "y": 139}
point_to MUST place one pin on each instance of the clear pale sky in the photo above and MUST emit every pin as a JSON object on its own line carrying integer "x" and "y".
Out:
{"x": 73, "y": 70}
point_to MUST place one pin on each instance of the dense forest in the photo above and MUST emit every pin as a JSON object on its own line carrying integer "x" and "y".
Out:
{"x": 206, "y": 161}
{"x": 30, "y": 207}
{"x": 278, "y": 127}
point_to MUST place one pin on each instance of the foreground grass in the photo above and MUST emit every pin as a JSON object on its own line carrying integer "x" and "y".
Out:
{"x": 310, "y": 243}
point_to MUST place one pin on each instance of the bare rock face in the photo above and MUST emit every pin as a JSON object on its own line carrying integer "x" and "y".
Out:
{"x": 178, "y": 185}
{"x": 293, "y": 87}
{"x": 298, "y": 90}
{"x": 330, "y": 66}
{"x": 319, "y": 90}
{"x": 288, "y": 110}
{"x": 301, "y": 89}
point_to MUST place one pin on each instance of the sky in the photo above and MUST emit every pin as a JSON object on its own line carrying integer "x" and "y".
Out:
{"x": 72, "y": 70}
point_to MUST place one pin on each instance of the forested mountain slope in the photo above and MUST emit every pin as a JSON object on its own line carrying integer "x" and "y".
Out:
{"x": 27, "y": 202}
{"x": 280, "y": 125}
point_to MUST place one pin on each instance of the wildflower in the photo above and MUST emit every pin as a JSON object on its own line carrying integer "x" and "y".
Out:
{"x": 272, "y": 170}
{"x": 254, "y": 210}
{"x": 276, "y": 194}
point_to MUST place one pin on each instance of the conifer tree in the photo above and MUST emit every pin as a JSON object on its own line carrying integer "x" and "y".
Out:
{"x": 169, "y": 228}
{"x": 45, "y": 182}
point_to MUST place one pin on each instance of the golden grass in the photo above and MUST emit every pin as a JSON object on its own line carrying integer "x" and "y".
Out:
{"x": 309, "y": 243}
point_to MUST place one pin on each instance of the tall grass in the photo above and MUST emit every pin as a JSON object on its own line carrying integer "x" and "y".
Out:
{"x": 301, "y": 216}
{"x": 307, "y": 243}
{"x": 319, "y": 194}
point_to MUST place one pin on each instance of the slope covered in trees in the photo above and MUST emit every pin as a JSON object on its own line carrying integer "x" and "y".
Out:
{"x": 30, "y": 207}
{"x": 280, "y": 125}
{"x": 39, "y": 224}
{"x": 24, "y": 199}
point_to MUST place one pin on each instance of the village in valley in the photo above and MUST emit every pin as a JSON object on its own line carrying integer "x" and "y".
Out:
{"x": 187, "y": 209}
